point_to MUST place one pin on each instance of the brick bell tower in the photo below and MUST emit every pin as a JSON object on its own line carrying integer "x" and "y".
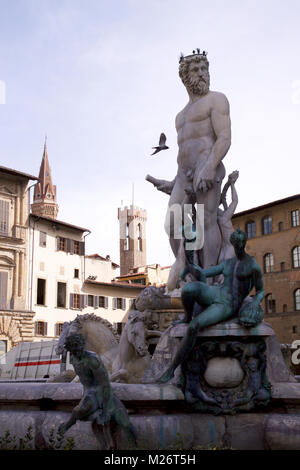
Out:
{"x": 44, "y": 197}
{"x": 132, "y": 222}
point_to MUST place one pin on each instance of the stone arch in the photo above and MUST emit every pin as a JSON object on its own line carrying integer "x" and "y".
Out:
{"x": 10, "y": 328}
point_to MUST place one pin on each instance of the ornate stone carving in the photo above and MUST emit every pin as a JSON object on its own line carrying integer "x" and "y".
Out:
{"x": 10, "y": 328}
{"x": 226, "y": 391}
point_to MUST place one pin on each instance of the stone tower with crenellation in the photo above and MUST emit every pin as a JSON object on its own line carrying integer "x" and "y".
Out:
{"x": 132, "y": 238}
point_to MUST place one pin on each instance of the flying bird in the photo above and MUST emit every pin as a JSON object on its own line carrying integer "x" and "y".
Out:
{"x": 161, "y": 144}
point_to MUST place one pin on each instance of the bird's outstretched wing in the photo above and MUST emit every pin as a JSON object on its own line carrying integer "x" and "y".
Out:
{"x": 162, "y": 140}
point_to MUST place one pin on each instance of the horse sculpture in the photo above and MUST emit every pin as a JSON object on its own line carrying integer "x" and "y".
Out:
{"x": 133, "y": 356}
{"x": 99, "y": 335}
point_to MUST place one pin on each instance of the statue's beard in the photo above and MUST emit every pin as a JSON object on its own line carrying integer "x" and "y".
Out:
{"x": 197, "y": 86}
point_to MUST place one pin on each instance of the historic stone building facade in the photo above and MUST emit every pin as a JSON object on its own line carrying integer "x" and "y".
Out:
{"x": 16, "y": 317}
{"x": 274, "y": 239}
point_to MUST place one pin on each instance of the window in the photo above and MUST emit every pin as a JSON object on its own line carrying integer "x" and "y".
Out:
{"x": 43, "y": 239}
{"x": 58, "y": 329}
{"x": 76, "y": 273}
{"x": 119, "y": 303}
{"x": 41, "y": 292}
{"x": 3, "y": 290}
{"x": 295, "y": 329}
{"x": 3, "y": 347}
{"x": 75, "y": 301}
{"x": 139, "y": 245}
{"x": 118, "y": 328}
{"x": 61, "y": 294}
{"x": 270, "y": 304}
{"x": 250, "y": 229}
{"x": 62, "y": 244}
{"x": 127, "y": 238}
{"x": 103, "y": 302}
{"x": 284, "y": 308}
{"x": 41, "y": 328}
{"x": 282, "y": 266}
{"x": 268, "y": 263}
{"x": 295, "y": 218}
{"x": 76, "y": 248}
{"x": 296, "y": 257}
{"x": 267, "y": 225}
{"x": 297, "y": 299}
{"x": 90, "y": 301}
{"x": 4, "y": 217}
{"x": 280, "y": 226}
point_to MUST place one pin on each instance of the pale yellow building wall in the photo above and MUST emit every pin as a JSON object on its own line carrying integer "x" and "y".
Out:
{"x": 111, "y": 314}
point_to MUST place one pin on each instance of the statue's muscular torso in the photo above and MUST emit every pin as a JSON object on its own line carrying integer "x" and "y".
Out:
{"x": 195, "y": 129}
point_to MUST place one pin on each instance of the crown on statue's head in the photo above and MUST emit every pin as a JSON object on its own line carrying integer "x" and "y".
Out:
{"x": 195, "y": 53}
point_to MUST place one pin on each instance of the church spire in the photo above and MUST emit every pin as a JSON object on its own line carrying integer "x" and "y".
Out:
{"x": 44, "y": 197}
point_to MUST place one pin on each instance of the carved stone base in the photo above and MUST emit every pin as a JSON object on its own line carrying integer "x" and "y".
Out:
{"x": 230, "y": 369}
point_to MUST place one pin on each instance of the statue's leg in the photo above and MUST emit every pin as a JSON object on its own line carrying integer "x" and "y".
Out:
{"x": 121, "y": 417}
{"x": 173, "y": 220}
{"x": 83, "y": 409}
{"x": 103, "y": 435}
{"x": 212, "y": 233}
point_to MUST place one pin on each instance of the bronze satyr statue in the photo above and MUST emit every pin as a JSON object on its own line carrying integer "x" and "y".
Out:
{"x": 219, "y": 302}
{"x": 98, "y": 404}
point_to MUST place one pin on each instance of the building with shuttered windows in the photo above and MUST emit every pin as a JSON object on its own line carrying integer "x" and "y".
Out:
{"x": 16, "y": 317}
{"x": 273, "y": 231}
{"x": 56, "y": 272}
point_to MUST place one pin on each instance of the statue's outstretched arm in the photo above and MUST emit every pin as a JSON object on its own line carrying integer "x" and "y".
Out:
{"x": 228, "y": 213}
{"x": 213, "y": 270}
{"x": 201, "y": 274}
{"x": 162, "y": 185}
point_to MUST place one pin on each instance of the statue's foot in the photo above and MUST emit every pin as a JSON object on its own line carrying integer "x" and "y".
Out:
{"x": 168, "y": 375}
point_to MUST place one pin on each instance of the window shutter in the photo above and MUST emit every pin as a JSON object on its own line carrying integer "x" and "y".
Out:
{"x": 43, "y": 236}
{"x": 71, "y": 300}
{"x": 114, "y": 303}
{"x": 83, "y": 301}
{"x": 105, "y": 302}
{"x": 71, "y": 247}
{"x": 36, "y": 328}
{"x": 3, "y": 290}
{"x": 4, "y": 217}
{"x": 81, "y": 248}
{"x": 96, "y": 301}
{"x": 45, "y": 328}
{"x": 57, "y": 244}
{"x": 123, "y": 304}
{"x": 68, "y": 245}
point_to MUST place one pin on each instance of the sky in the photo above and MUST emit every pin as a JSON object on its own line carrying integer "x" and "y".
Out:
{"x": 100, "y": 78}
